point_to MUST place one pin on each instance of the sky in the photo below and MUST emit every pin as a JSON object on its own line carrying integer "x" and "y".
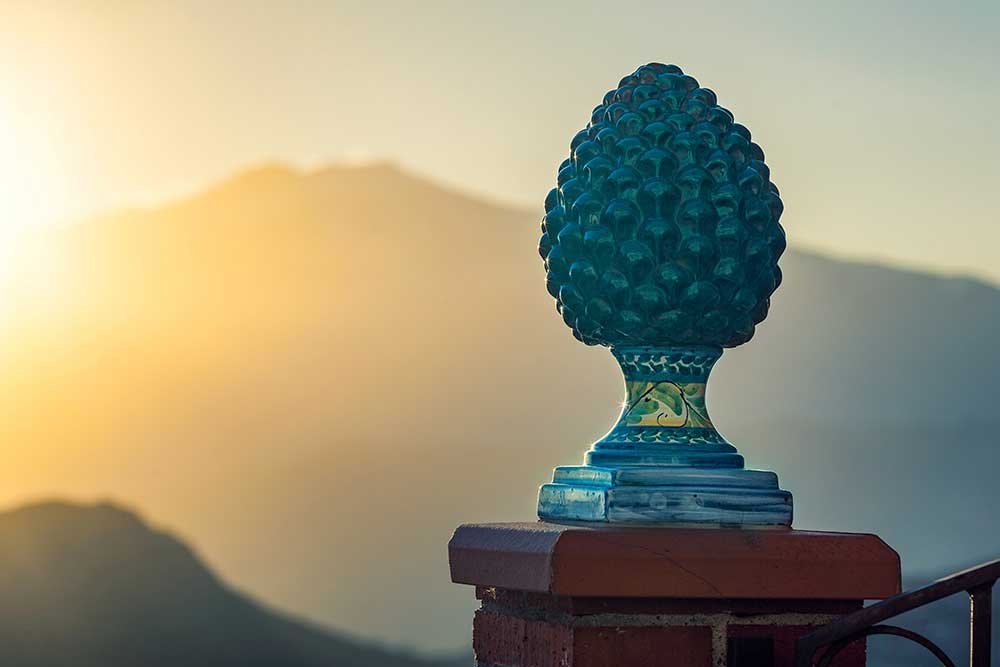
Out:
{"x": 876, "y": 117}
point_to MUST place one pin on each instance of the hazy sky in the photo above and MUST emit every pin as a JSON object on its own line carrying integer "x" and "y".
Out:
{"x": 877, "y": 117}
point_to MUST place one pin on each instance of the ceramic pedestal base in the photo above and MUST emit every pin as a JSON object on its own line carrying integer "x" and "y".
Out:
{"x": 658, "y": 495}
{"x": 664, "y": 462}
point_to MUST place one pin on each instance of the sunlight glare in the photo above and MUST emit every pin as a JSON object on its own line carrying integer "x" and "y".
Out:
{"x": 27, "y": 266}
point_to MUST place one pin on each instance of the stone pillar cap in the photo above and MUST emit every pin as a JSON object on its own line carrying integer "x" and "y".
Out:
{"x": 668, "y": 562}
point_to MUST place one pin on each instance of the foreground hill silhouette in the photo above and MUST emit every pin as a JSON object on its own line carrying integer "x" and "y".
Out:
{"x": 349, "y": 362}
{"x": 94, "y": 585}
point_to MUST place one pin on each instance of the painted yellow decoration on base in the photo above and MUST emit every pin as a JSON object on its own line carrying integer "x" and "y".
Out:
{"x": 666, "y": 403}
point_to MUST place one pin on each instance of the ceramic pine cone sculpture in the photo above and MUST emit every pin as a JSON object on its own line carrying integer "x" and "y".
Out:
{"x": 663, "y": 229}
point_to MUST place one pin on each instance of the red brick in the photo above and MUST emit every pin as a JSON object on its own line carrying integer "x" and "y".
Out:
{"x": 497, "y": 638}
{"x": 547, "y": 645}
{"x": 642, "y": 647}
{"x": 784, "y": 637}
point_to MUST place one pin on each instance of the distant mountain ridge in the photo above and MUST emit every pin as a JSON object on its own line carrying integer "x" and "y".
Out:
{"x": 94, "y": 585}
{"x": 349, "y": 362}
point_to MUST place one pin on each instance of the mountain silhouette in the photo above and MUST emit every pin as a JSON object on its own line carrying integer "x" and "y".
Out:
{"x": 349, "y": 362}
{"x": 94, "y": 585}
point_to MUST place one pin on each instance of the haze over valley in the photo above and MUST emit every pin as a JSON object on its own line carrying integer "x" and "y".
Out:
{"x": 314, "y": 376}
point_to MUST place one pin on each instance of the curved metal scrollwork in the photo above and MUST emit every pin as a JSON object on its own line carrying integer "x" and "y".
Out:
{"x": 977, "y": 582}
{"x": 839, "y": 646}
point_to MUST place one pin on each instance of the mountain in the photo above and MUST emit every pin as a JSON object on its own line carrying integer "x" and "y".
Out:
{"x": 349, "y": 362}
{"x": 94, "y": 585}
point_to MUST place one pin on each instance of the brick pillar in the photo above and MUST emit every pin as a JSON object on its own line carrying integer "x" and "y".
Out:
{"x": 572, "y": 596}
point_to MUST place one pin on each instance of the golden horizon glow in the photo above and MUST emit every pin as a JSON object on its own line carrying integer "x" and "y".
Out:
{"x": 107, "y": 110}
{"x": 16, "y": 196}
{"x": 34, "y": 267}
{"x": 16, "y": 205}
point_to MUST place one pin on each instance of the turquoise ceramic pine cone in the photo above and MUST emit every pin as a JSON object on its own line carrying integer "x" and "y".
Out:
{"x": 663, "y": 229}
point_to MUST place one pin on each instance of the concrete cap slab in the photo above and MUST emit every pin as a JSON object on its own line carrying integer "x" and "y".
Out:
{"x": 668, "y": 562}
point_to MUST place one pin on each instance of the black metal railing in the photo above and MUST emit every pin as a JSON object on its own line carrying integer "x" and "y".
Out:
{"x": 977, "y": 582}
